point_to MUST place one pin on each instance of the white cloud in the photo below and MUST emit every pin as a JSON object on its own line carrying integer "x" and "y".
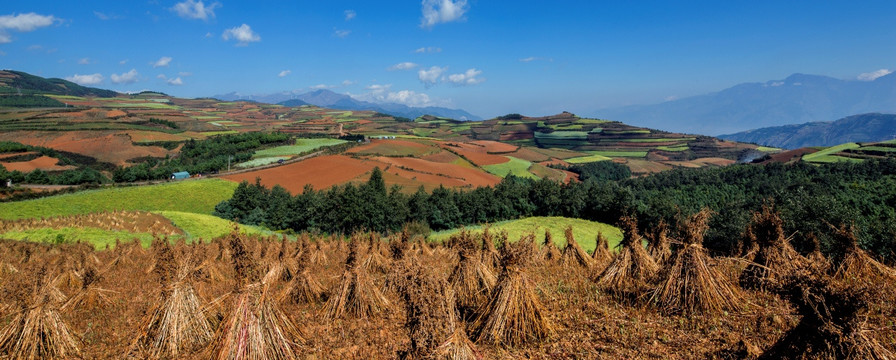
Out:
{"x": 125, "y": 61}
{"x": 442, "y": 11}
{"x": 383, "y": 93}
{"x": 84, "y": 61}
{"x": 161, "y": 76}
{"x": 528, "y": 59}
{"x": 870, "y": 76}
{"x": 403, "y": 66}
{"x": 104, "y": 16}
{"x": 284, "y": 73}
{"x": 341, "y": 33}
{"x": 430, "y": 76}
{"x": 350, "y": 14}
{"x": 23, "y": 23}
{"x": 469, "y": 77}
{"x": 185, "y": 74}
{"x": 209, "y": 35}
{"x": 347, "y": 82}
{"x": 321, "y": 86}
{"x": 243, "y": 34}
{"x": 671, "y": 98}
{"x": 430, "y": 49}
{"x": 91, "y": 79}
{"x": 195, "y": 9}
{"x": 26, "y": 22}
{"x": 129, "y": 77}
{"x": 175, "y": 82}
{"x": 162, "y": 62}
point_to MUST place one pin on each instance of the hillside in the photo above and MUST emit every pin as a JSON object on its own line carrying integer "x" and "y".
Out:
{"x": 128, "y": 138}
{"x": 797, "y": 99}
{"x": 17, "y": 82}
{"x": 872, "y": 127}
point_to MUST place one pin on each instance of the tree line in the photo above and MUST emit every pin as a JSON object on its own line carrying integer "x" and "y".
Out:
{"x": 809, "y": 198}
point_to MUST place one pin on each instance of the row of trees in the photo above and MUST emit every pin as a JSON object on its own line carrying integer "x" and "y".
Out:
{"x": 203, "y": 156}
{"x": 809, "y": 198}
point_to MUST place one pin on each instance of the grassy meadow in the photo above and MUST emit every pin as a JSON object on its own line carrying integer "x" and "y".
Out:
{"x": 584, "y": 231}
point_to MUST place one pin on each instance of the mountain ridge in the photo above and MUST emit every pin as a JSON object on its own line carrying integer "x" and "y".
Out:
{"x": 870, "y": 127}
{"x": 798, "y": 98}
{"x": 331, "y": 99}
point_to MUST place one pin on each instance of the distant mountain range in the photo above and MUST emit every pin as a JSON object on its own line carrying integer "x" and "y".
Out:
{"x": 330, "y": 99}
{"x": 797, "y": 99}
{"x": 858, "y": 128}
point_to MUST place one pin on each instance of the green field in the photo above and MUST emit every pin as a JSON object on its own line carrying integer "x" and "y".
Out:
{"x": 194, "y": 196}
{"x": 563, "y": 135}
{"x": 149, "y": 104}
{"x": 613, "y": 154}
{"x": 827, "y": 155}
{"x": 675, "y": 148}
{"x": 195, "y": 226}
{"x": 206, "y": 227}
{"x": 517, "y": 167}
{"x": 767, "y": 149}
{"x": 261, "y": 161}
{"x": 652, "y": 140}
{"x": 587, "y": 159}
{"x": 301, "y": 146}
{"x": 584, "y": 231}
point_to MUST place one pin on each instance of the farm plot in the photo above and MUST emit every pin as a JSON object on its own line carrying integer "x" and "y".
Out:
{"x": 584, "y": 231}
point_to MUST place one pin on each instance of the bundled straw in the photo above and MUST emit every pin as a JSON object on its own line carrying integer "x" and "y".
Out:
{"x": 688, "y": 284}
{"x": 854, "y": 265}
{"x": 659, "y": 245}
{"x": 36, "y": 330}
{"x": 775, "y": 256}
{"x": 91, "y": 296}
{"x": 303, "y": 288}
{"x": 831, "y": 326}
{"x": 632, "y": 267}
{"x": 177, "y": 325}
{"x": 573, "y": 252}
{"x": 490, "y": 254}
{"x": 601, "y": 254}
{"x": 254, "y": 328}
{"x": 425, "y": 297}
{"x": 472, "y": 280}
{"x": 355, "y": 294}
{"x": 550, "y": 249}
{"x": 513, "y": 315}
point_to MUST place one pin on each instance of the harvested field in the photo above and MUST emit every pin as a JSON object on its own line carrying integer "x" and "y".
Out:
{"x": 442, "y": 157}
{"x": 495, "y": 147}
{"x": 641, "y": 167}
{"x": 320, "y": 172}
{"x": 393, "y": 148}
{"x": 468, "y": 176}
{"x": 114, "y": 147}
{"x": 44, "y": 163}
{"x": 529, "y": 154}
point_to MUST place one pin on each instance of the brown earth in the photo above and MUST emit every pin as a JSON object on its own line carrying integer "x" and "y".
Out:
{"x": 44, "y": 163}
{"x": 320, "y": 172}
{"x": 114, "y": 147}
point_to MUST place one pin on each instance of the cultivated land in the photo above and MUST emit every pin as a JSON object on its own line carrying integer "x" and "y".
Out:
{"x": 120, "y": 272}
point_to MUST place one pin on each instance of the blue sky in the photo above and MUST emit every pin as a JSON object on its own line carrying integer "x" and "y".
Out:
{"x": 487, "y": 57}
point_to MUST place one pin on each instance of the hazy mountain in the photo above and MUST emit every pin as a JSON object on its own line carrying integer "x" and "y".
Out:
{"x": 858, "y": 128}
{"x": 293, "y": 103}
{"x": 797, "y": 99}
{"x": 330, "y": 99}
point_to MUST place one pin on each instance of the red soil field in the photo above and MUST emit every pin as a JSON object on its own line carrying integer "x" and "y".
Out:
{"x": 441, "y": 157}
{"x": 392, "y": 147}
{"x": 321, "y": 172}
{"x": 554, "y": 162}
{"x": 107, "y": 146}
{"x": 791, "y": 155}
{"x": 472, "y": 177}
{"x": 475, "y": 154}
{"x": 496, "y": 147}
{"x": 529, "y": 155}
{"x": 44, "y": 163}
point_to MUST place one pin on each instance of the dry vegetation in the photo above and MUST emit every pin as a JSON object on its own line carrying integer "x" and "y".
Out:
{"x": 245, "y": 296}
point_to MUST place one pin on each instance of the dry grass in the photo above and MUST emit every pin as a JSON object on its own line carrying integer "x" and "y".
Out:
{"x": 775, "y": 256}
{"x": 513, "y": 315}
{"x": 472, "y": 280}
{"x": 632, "y": 269}
{"x": 688, "y": 283}
{"x": 355, "y": 294}
{"x": 573, "y": 254}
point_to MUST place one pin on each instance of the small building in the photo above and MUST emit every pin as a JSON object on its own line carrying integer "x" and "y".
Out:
{"x": 180, "y": 175}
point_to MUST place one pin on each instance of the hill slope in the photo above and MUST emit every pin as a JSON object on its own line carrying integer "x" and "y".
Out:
{"x": 797, "y": 99}
{"x": 857, "y": 128}
{"x": 17, "y": 82}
